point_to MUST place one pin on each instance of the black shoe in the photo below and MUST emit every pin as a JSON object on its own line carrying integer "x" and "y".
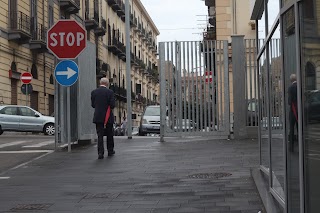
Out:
{"x": 100, "y": 157}
{"x": 111, "y": 153}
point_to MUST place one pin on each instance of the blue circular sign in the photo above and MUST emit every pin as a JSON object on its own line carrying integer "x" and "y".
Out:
{"x": 66, "y": 73}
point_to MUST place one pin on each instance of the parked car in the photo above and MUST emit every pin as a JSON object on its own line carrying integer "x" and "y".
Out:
{"x": 150, "y": 121}
{"x": 24, "y": 119}
{"x": 313, "y": 106}
{"x": 135, "y": 130}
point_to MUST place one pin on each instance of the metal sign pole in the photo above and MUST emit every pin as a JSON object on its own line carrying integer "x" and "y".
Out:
{"x": 68, "y": 120}
{"x": 26, "y": 95}
{"x": 128, "y": 70}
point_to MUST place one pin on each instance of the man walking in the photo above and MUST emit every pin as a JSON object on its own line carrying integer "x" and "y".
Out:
{"x": 101, "y": 99}
{"x": 293, "y": 112}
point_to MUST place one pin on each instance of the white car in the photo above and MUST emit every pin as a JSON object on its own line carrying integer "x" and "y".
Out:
{"x": 24, "y": 119}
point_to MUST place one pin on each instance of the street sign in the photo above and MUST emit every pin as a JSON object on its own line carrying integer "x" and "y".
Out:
{"x": 66, "y": 39}
{"x": 26, "y": 77}
{"x": 66, "y": 73}
{"x": 26, "y": 89}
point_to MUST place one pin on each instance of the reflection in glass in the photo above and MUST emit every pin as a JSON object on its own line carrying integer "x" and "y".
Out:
{"x": 273, "y": 10}
{"x": 262, "y": 28}
{"x": 290, "y": 68}
{"x": 263, "y": 112}
{"x": 277, "y": 115}
{"x": 311, "y": 101}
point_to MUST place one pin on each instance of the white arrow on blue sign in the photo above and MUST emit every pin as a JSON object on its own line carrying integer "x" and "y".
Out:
{"x": 66, "y": 73}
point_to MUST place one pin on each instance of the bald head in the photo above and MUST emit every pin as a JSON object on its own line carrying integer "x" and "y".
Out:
{"x": 293, "y": 78}
{"x": 104, "y": 82}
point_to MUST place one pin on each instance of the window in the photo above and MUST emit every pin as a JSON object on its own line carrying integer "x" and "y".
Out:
{"x": 26, "y": 111}
{"x": 9, "y": 111}
{"x": 51, "y": 19}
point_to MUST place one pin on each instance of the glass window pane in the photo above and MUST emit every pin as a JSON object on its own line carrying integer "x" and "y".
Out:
{"x": 277, "y": 115}
{"x": 26, "y": 111}
{"x": 273, "y": 10}
{"x": 290, "y": 67}
{"x": 9, "y": 111}
{"x": 310, "y": 69}
{"x": 263, "y": 112}
{"x": 261, "y": 29}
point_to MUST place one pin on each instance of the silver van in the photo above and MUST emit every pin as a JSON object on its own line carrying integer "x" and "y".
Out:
{"x": 150, "y": 121}
{"x": 24, "y": 119}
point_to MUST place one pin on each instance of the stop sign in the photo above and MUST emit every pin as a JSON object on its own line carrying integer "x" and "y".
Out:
{"x": 66, "y": 39}
{"x": 26, "y": 77}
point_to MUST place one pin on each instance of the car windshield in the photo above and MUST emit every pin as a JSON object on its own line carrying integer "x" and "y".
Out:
{"x": 152, "y": 111}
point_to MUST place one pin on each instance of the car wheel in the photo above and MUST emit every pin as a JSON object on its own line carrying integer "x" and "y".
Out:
{"x": 141, "y": 134}
{"x": 1, "y": 131}
{"x": 49, "y": 129}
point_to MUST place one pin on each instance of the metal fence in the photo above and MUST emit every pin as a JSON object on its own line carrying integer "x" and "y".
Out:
{"x": 251, "y": 82}
{"x": 194, "y": 88}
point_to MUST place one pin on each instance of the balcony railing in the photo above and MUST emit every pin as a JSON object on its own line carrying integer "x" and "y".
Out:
{"x": 91, "y": 18}
{"x": 39, "y": 33}
{"x": 19, "y": 21}
{"x": 70, "y": 6}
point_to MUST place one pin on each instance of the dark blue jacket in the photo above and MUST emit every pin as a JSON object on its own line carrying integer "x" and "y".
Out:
{"x": 101, "y": 98}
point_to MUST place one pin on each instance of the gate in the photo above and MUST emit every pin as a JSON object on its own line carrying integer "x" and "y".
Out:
{"x": 194, "y": 82}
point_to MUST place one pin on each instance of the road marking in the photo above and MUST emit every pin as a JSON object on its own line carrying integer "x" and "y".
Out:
{"x": 12, "y": 144}
{"x": 4, "y": 178}
{"x": 30, "y": 161}
{"x": 45, "y": 143}
{"x": 25, "y": 151}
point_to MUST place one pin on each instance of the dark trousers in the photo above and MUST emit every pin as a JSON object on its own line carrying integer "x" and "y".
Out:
{"x": 292, "y": 124}
{"x": 108, "y": 131}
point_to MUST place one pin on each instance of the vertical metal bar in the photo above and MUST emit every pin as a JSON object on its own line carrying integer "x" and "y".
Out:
{"x": 251, "y": 82}
{"x": 300, "y": 111}
{"x": 255, "y": 70}
{"x": 208, "y": 68}
{"x": 62, "y": 113}
{"x": 205, "y": 71}
{"x": 189, "y": 89}
{"x": 68, "y": 120}
{"x": 226, "y": 87}
{"x": 193, "y": 91}
{"x": 201, "y": 85}
{"x": 220, "y": 104}
{"x": 163, "y": 87}
{"x": 128, "y": 69}
{"x": 185, "y": 89}
{"x": 176, "y": 83}
{"x": 197, "y": 89}
{"x": 214, "y": 70}
{"x": 179, "y": 85}
{"x": 246, "y": 76}
{"x": 168, "y": 83}
{"x": 172, "y": 86}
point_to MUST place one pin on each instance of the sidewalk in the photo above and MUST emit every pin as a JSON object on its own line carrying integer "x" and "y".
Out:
{"x": 180, "y": 175}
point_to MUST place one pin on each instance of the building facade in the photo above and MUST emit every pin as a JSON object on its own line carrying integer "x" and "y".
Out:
{"x": 288, "y": 31}
{"x": 24, "y": 26}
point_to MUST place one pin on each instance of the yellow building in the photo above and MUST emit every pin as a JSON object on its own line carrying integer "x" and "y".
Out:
{"x": 23, "y": 28}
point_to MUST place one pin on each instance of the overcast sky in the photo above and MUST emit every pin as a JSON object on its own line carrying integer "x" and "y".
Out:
{"x": 178, "y": 19}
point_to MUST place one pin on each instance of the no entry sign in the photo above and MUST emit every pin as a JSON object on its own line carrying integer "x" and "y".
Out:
{"x": 66, "y": 39}
{"x": 26, "y": 78}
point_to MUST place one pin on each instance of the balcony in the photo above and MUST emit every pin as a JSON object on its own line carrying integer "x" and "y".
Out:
{"x": 120, "y": 92}
{"x": 91, "y": 19}
{"x": 113, "y": 46}
{"x": 116, "y": 6}
{"x": 122, "y": 11}
{"x": 38, "y": 40}
{"x": 111, "y": 2}
{"x": 70, "y": 6}
{"x": 19, "y": 27}
{"x": 122, "y": 53}
{"x": 101, "y": 30}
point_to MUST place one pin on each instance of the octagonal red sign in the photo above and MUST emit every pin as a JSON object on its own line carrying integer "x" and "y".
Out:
{"x": 66, "y": 39}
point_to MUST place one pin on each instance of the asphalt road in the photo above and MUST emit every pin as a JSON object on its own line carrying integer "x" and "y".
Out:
{"x": 18, "y": 148}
